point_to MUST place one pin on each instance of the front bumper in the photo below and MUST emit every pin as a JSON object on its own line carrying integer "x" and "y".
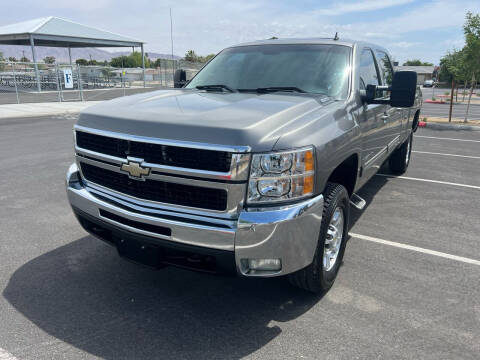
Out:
{"x": 288, "y": 233}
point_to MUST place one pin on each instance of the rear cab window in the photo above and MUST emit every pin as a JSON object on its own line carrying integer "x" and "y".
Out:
{"x": 368, "y": 70}
{"x": 386, "y": 71}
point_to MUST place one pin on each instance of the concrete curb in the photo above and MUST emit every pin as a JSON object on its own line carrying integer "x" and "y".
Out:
{"x": 439, "y": 126}
{"x": 43, "y": 109}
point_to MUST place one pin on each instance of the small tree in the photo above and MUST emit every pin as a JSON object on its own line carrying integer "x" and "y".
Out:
{"x": 451, "y": 66}
{"x": 416, "y": 62}
{"x": 12, "y": 59}
{"x": 471, "y": 30}
{"x": 207, "y": 58}
{"x": 131, "y": 61}
{"x": 82, "y": 62}
{"x": 190, "y": 55}
{"x": 49, "y": 59}
{"x": 24, "y": 59}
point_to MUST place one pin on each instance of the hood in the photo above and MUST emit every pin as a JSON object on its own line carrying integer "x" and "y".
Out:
{"x": 240, "y": 119}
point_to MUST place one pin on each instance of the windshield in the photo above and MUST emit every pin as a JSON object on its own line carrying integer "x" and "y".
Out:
{"x": 320, "y": 69}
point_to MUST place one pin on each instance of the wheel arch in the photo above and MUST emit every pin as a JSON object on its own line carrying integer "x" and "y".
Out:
{"x": 416, "y": 119}
{"x": 346, "y": 173}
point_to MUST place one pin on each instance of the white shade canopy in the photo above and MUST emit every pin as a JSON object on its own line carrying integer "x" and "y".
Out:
{"x": 56, "y": 32}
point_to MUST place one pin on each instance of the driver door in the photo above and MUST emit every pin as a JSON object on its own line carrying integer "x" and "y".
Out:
{"x": 371, "y": 120}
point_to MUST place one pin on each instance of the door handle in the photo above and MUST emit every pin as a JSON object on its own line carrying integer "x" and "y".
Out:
{"x": 385, "y": 118}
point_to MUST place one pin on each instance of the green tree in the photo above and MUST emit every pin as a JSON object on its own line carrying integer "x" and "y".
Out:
{"x": 452, "y": 70}
{"x": 12, "y": 59}
{"x": 24, "y": 59}
{"x": 190, "y": 55}
{"x": 416, "y": 62}
{"x": 49, "y": 59}
{"x": 208, "y": 57}
{"x": 83, "y": 62}
{"x": 131, "y": 61}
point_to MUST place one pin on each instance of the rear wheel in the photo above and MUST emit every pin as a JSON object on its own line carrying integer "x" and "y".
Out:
{"x": 319, "y": 276}
{"x": 400, "y": 158}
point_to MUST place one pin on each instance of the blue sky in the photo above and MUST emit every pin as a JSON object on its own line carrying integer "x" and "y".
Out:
{"x": 423, "y": 29}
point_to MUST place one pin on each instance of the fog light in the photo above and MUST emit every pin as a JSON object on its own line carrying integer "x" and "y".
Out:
{"x": 73, "y": 177}
{"x": 265, "y": 264}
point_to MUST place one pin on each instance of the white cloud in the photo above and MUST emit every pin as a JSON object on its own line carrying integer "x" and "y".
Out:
{"x": 404, "y": 44}
{"x": 361, "y": 6}
{"x": 207, "y": 26}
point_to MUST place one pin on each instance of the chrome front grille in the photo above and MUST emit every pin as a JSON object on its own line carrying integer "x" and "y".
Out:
{"x": 169, "y": 155}
{"x": 158, "y": 191}
{"x": 181, "y": 176}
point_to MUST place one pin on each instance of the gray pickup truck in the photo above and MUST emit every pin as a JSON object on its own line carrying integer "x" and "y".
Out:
{"x": 251, "y": 167}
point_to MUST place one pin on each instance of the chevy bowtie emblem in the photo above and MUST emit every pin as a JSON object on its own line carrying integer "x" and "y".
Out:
{"x": 135, "y": 170}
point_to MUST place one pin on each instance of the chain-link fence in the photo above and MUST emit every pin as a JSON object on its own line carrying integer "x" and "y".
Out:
{"x": 29, "y": 82}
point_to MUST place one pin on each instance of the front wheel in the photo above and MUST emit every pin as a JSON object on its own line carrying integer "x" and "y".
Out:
{"x": 320, "y": 275}
{"x": 400, "y": 158}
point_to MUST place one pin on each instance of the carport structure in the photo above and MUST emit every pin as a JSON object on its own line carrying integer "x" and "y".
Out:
{"x": 55, "y": 32}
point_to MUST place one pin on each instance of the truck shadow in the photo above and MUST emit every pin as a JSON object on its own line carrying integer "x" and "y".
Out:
{"x": 85, "y": 295}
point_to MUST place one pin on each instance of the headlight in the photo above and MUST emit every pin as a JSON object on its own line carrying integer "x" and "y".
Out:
{"x": 281, "y": 176}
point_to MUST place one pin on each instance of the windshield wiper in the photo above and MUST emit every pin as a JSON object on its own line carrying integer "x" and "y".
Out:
{"x": 272, "y": 89}
{"x": 214, "y": 87}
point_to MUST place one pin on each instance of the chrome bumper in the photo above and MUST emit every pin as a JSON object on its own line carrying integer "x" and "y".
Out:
{"x": 287, "y": 233}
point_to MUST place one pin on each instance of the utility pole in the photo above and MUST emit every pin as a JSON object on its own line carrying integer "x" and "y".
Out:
{"x": 171, "y": 39}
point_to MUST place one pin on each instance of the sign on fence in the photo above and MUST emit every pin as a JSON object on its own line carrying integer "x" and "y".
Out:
{"x": 68, "y": 77}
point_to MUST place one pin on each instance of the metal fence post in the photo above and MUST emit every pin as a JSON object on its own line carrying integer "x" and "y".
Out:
{"x": 15, "y": 82}
{"x": 60, "y": 84}
{"x": 80, "y": 82}
{"x": 165, "y": 72}
{"x": 123, "y": 82}
{"x": 57, "y": 82}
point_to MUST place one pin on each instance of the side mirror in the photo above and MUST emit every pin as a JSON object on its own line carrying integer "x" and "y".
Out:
{"x": 404, "y": 87}
{"x": 179, "y": 78}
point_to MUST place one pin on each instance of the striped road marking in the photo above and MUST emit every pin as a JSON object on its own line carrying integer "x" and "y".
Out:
{"x": 431, "y": 181}
{"x": 417, "y": 249}
{"x": 435, "y": 153}
{"x": 442, "y": 138}
{"x": 6, "y": 355}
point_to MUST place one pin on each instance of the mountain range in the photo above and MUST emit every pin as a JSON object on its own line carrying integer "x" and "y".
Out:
{"x": 61, "y": 54}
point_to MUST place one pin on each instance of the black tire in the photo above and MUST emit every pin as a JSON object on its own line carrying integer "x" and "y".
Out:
{"x": 400, "y": 158}
{"x": 315, "y": 278}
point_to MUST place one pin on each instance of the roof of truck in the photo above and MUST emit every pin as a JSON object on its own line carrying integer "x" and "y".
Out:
{"x": 316, "y": 40}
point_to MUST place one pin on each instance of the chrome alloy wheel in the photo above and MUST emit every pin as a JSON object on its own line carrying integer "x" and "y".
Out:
{"x": 333, "y": 239}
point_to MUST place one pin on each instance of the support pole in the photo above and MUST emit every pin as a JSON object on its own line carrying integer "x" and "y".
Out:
{"x": 15, "y": 82}
{"x": 80, "y": 86}
{"x": 34, "y": 57}
{"x": 70, "y": 55}
{"x": 143, "y": 65}
{"x": 57, "y": 74}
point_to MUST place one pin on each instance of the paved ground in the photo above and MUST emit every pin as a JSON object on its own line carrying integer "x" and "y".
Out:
{"x": 10, "y": 111}
{"x": 65, "y": 295}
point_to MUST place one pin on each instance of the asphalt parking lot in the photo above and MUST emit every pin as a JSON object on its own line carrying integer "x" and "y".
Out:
{"x": 408, "y": 287}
